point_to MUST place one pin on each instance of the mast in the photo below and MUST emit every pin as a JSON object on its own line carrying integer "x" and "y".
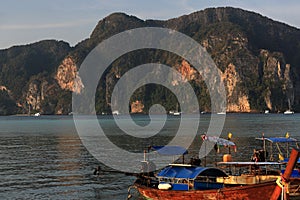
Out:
{"x": 264, "y": 147}
{"x": 29, "y": 107}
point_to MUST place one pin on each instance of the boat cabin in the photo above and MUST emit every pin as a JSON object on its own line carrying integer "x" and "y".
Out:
{"x": 243, "y": 173}
{"x": 187, "y": 177}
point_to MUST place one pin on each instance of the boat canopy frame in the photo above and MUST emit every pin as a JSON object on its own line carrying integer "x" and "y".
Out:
{"x": 278, "y": 142}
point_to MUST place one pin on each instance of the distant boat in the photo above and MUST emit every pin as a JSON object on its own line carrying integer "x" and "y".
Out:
{"x": 221, "y": 113}
{"x": 288, "y": 112}
{"x": 267, "y": 111}
{"x": 37, "y": 114}
{"x": 177, "y": 113}
{"x": 116, "y": 112}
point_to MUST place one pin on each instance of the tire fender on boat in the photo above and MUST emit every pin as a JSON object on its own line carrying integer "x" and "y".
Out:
{"x": 164, "y": 186}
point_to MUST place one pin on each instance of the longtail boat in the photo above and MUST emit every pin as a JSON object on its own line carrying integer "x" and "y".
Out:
{"x": 182, "y": 181}
{"x": 282, "y": 146}
{"x": 261, "y": 191}
{"x": 190, "y": 182}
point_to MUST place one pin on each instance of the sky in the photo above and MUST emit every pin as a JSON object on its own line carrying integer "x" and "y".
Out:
{"x": 27, "y": 21}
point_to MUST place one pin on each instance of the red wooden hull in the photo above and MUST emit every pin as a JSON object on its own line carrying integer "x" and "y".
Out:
{"x": 262, "y": 191}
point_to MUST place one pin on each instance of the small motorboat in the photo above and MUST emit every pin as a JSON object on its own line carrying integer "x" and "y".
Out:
{"x": 288, "y": 112}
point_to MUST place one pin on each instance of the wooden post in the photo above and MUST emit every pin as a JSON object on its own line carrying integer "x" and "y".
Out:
{"x": 287, "y": 174}
{"x": 205, "y": 153}
{"x": 264, "y": 147}
{"x": 229, "y": 138}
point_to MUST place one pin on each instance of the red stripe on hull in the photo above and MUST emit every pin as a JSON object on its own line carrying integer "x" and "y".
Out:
{"x": 261, "y": 191}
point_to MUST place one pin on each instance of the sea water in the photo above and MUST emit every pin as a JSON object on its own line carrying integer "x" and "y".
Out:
{"x": 44, "y": 158}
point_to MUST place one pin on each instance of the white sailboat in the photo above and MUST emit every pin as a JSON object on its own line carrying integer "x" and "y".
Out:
{"x": 176, "y": 113}
{"x": 289, "y": 111}
{"x": 221, "y": 113}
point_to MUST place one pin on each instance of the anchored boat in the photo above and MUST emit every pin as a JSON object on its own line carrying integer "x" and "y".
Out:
{"x": 191, "y": 182}
{"x": 187, "y": 181}
{"x": 283, "y": 146}
{"x": 181, "y": 181}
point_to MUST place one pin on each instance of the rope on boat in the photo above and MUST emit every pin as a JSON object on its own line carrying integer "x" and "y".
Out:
{"x": 284, "y": 185}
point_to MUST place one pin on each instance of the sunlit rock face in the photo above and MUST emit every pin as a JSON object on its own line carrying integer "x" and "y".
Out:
{"x": 67, "y": 76}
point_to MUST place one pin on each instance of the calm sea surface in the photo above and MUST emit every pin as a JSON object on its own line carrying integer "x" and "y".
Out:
{"x": 43, "y": 157}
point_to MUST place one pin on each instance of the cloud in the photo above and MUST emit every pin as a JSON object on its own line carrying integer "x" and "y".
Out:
{"x": 44, "y": 25}
{"x": 186, "y": 6}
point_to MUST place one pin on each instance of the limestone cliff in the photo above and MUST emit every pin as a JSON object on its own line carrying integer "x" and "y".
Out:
{"x": 33, "y": 97}
{"x": 236, "y": 100}
{"x": 276, "y": 78}
{"x": 137, "y": 107}
{"x": 67, "y": 76}
{"x": 231, "y": 54}
{"x": 186, "y": 73}
{"x": 259, "y": 59}
{"x": 40, "y": 96}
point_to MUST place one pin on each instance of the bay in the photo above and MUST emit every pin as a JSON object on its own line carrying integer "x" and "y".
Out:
{"x": 44, "y": 158}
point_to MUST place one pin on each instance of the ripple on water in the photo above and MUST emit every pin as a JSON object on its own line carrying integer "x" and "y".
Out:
{"x": 44, "y": 159}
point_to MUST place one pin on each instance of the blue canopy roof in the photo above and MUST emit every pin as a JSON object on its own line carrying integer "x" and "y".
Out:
{"x": 287, "y": 160}
{"x": 170, "y": 150}
{"x": 278, "y": 139}
{"x": 189, "y": 172}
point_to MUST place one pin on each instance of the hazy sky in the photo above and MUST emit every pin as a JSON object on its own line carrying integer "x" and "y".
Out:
{"x": 27, "y": 21}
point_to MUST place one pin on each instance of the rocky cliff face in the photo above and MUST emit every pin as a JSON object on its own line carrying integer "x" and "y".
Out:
{"x": 232, "y": 55}
{"x": 188, "y": 73}
{"x": 259, "y": 59}
{"x": 45, "y": 96}
{"x": 276, "y": 77}
{"x": 26, "y": 73}
{"x": 67, "y": 76}
{"x": 237, "y": 101}
{"x": 34, "y": 95}
{"x": 137, "y": 107}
